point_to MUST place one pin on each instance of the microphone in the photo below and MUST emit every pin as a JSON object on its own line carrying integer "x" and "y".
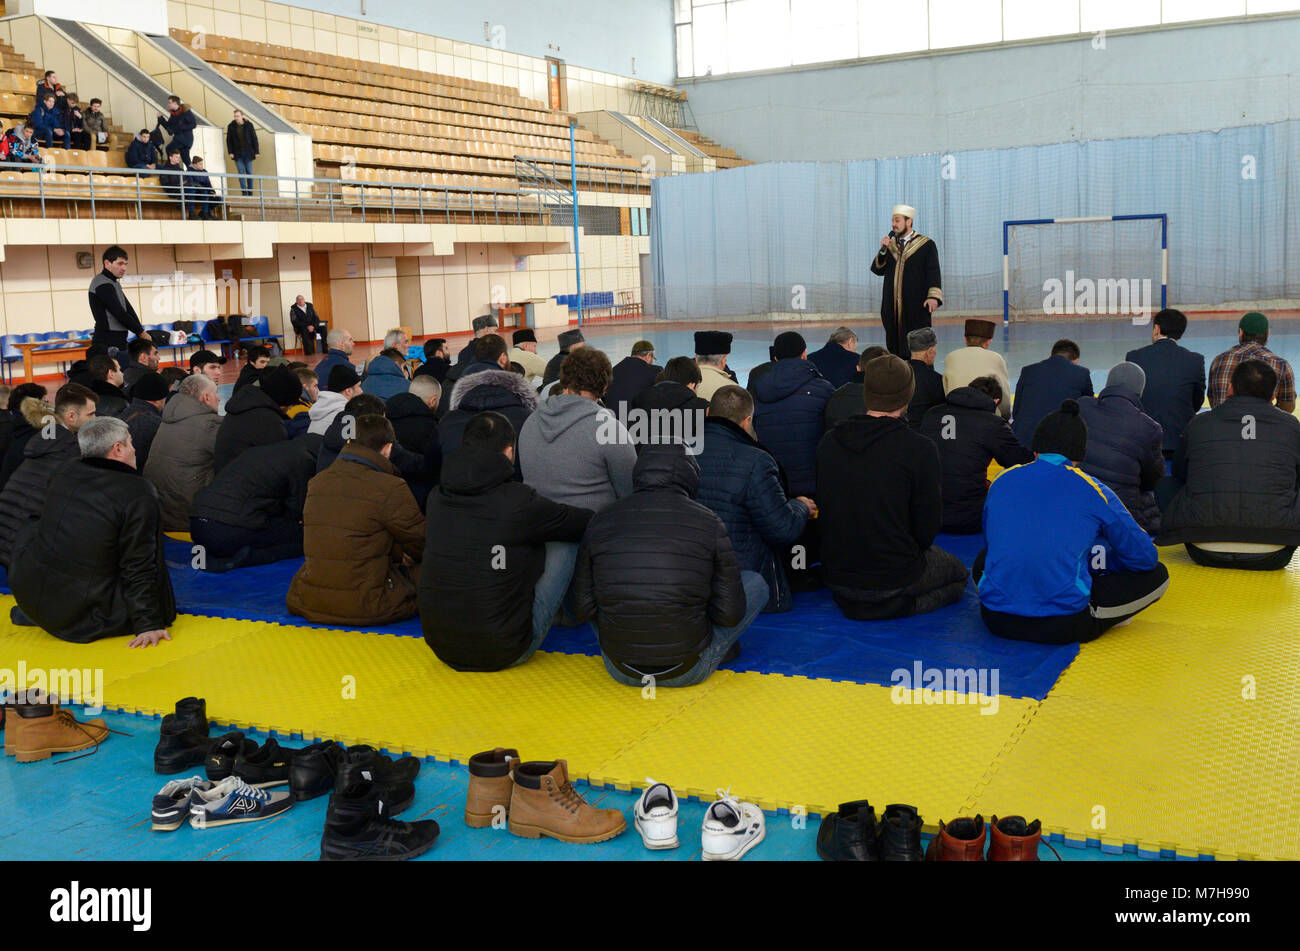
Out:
{"x": 892, "y": 235}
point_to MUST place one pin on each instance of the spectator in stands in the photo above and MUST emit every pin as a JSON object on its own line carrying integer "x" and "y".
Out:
{"x": 343, "y": 384}
{"x": 180, "y": 123}
{"x": 632, "y": 374}
{"x": 201, "y": 198}
{"x": 436, "y": 359}
{"x": 144, "y": 415}
{"x": 524, "y": 353}
{"x": 482, "y": 324}
{"x": 712, "y": 348}
{"x": 305, "y": 323}
{"x": 1089, "y": 568}
{"x": 258, "y": 357}
{"x": 976, "y": 359}
{"x": 482, "y": 612}
{"x": 113, "y": 314}
{"x": 172, "y": 178}
{"x": 181, "y": 458}
{"x": 26, "y": 414}
{"x": 569, "y": 341}
{"x": 847, "y": 400}
{"x": 790, "y": 411}
{"x": 49, "y": 122}
{"x": 49, "y": 85}
{"x": 486, "y": 385}
{"x": 208, "y": 364}
{"x": 386, "y": 376}
{"x": 20, "y": 146}
{"x": 414, "y": 414}
{"x": 256, "y": 415}
{"x": 54, "y": 442}
{"x": 300, "y": 412}
{"x": 969, "y": 434}
{"x": 93, "y": 566}
{"x": 1124, "y": 444}
{"x": 678, "y": 641}
{"x": 1234, "y": 498}
{"x": 878, "y": 488}
{"x": 142, "y": 357}
{"x": 141, "y": 152}
{"x": 396, "y": 339}
{"x": 1175, "y": 387}
{"x": 1045, "y": 385}
{"x": 838, "y": 360}
{"x": 242, "y": 148}
{"x": 95, "y": 124}
{"x": 251, "y": 512}
{"x": 363, "y": 537}
{"x": 106, "y": 382}
{"x": 77, "y": 134}
{"x": 742, "y": 484}
{"x": 675, "y": 388}
{"x": 340, "y": 346}
{"x": 923, "y": 345}
{"x": 1252, "y": 337}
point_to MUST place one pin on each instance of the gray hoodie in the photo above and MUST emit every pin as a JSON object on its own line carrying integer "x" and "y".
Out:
{"x": 574, "y": 451}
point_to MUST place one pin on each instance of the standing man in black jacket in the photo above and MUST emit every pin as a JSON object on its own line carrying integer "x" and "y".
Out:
{"x": 241, "y": 146}
{"x": 180, "y": 121}
{"x": 909, "y": 263}
{"x": 1175, "y": 377}
{"x": 657, "y": 576}
{"x": 114, "y": 316}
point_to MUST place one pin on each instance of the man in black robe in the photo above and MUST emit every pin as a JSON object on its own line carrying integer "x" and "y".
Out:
{"x": 909, "y": 262}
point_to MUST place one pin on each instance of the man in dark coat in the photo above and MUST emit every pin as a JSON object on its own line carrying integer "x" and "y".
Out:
{"x": 93, "y": 566}
{"x": 924, "y": 344}
{"x": 113, "y": 314}
{"x": 106, "y": 382}
{"x": 414, "y": 414}
{"x": 847, "y": 400}
{"x": 909, "y": 263}
{"x": 418, "y": 469}
{"x": 679, "y": 629}
{"x": 256, "y": 415}
{"x": 143, "y": 414}
{"x": 481, "y": 325}
{"x": 180, "y": 121}
{"x": 142, "y": 358}
{"x": 436, "y": 362}
{"x": 486, "y": 384}
{"x": 27, "y": 410}
{"x": 305, "y": 323}
{"x": 1234, "y": 485}
{"x": 1044, "y": 386}
{"x": 789, "y": 412}
{"x": 969, "y": 433}
{"x": 675, "y": 391}
{"x": 1175, "y": 376}
{"x": 482, "y": 606}
{"x": 741, "y": 483}
{"x": 838, "y": 360}
{"x": 568, "y": 340}
{"x": 1124, "y": 444}
{"x": 632, "y": 375}
{"x": 340, "y": 346}
{"x": 242, "y": 148}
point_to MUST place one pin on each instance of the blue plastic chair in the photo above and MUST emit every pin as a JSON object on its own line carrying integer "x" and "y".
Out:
{"x": 9, "y": 354}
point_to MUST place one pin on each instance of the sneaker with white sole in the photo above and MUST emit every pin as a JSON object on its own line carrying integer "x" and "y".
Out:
{"x": 233, "y": 800}
{"x": 731, "y": 828}
{"x": 171, "y": 807}
{"x": 655, "y": 816}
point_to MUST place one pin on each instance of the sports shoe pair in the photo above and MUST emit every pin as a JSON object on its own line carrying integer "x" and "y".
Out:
{"x": 209, "y": 804}
{"x": 731, "y": 828}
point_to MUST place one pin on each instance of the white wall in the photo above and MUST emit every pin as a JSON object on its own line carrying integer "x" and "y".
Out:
{"x": 148, "y": 15}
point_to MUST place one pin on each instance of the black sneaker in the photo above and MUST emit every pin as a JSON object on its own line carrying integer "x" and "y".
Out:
{"x": 386, "y": 768}
{"x": 900, "y": 835}
{"x": 222, "y": 753}
{"x": 268, "y": 766}
{"x": 362, "y": 764}
{"x": 357, "y": 828}
{"x": 314, "y": 770}
{"x": 179, "y": 748}
{"x": 849, "y": 834}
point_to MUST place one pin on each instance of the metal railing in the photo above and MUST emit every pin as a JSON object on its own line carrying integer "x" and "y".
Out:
{"x": 593, "y": 173}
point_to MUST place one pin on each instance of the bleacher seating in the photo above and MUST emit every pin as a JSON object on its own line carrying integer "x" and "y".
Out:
{"x": 726, "y": 158}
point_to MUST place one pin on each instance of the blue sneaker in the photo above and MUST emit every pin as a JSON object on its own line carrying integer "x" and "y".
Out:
{"x": 171, "y": 807}
{"x": 233, "y": 800}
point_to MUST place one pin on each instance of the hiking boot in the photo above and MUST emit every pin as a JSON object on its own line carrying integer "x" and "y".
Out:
{"x": 961, "y": 840}
{"x": 358, "y": 828}
{"x": 193, "y": 712}
{"x": 179, "y": 746}
{"x": 849, "y": 834}
{"x": 365, "y": 764}
{"x": 314, "y": 770}
{"x": 1014, "y": 840}
{"x": 544, "y": 802}
{"x": 265, "y": 767}
{"x": 36, "y": 731}
{"x": 489, "y": 787}
{"x": 222, "y": 753}
{"x": 900, "y": 835}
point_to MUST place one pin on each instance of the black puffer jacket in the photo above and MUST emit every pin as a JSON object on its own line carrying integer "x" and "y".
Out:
{"x": 969, "y": 433}
{"x": 111, "y": 400}
{"x": 93, "y": 565}
{"x": 413, "y": 421}
{"x": 656, "y": 570}
{"x": 500, "y": 391}
{"x": 668, "y": 395}
{"x": 1237, "y": 487}
{"x": 476, "y": 599}
{"x": 1124, "y": 451}
{"x": 789, "y": 419}
{"x": 252, "y": 419}
{"x": 631, "y": 376}
{"x": 24, "y": 494}
{"x": 262, "y": 483}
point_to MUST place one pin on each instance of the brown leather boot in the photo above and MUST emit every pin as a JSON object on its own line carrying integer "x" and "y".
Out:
{"x": 1015, "y": 840}
{"x": 490, "y": 786}
{"x": 961, "y": 840}
{"x": 544, "y": 802}
{"x": 35, "y": 731}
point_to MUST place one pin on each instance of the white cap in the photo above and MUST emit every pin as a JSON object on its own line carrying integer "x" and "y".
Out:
{"x": 907, "y": 211}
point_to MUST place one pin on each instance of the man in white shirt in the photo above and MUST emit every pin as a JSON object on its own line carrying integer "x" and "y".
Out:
{"x": 524, "y": 353}
{"x": 976, "y": 360}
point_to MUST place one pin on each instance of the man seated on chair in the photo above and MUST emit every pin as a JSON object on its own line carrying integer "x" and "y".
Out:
{"x": 204, "y": 202}
{"x": 141, "y": 153}
{"x": 1092, "y": 568}
{"x": 1234, "y": 498}
{"x": 302, "y": 316}
{"x": 106, "y": 382}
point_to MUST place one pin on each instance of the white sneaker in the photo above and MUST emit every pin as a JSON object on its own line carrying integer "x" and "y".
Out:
{"x": 731, "y": 828}
{"x": 655, "y": 816}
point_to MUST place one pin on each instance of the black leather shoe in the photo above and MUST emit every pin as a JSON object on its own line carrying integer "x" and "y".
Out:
{"x": 386, "y": 769}
{"x": 358, "y": 828}
{"x": 314, "y": 770}
{"x": 900, "y": 835}
{"x": 222, "y": 753}
{"x": 179, "y": 747}
{"x": 193, "y": 712}
{"x": 266, "y": 766}
{"x": 849, "y": 834}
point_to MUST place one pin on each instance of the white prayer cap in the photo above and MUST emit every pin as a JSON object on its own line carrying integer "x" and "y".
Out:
{"x": 907, "y": 211}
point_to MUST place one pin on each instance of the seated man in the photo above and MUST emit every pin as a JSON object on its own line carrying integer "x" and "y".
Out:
{"x": 414, "y": 414}
{"x": 1124, "y": 444}
{"x": 308, "y": 326}
{"x": 256, "y": 416}
{"x": 363, "y": 536}
{"x": 923, "y": 343}
{"x": 657, "y": 576}
{"x": 741, "y": 483}
{"x": 106, "y": 382}
{"x": 878, "y": 489}
{"x": 437, "y": 359}
{"x": 847, "y": 400}
{"x": 202, "y": 199}
{"x": 342, "y": 384}
{"x": 524, "y": 353}
{"x": 141, "y": 153}
{"x": 632, "y": 374}
{"x": 838, "y": 360}
{"x": 48, "y": 122}
{"x": 258, "y": 357}
{"x": 300, "y": 412}
{"x": 1043, "y": 386}
{"x": 674, "y": 388}
{"x": 1252, "y": 344}
{"x": 339, "y": 344}
{"x": 251, "y": 512}
{"x": 1233, "y": 496}
{"x": 144, "y": 414}
{"x": 142, "y": 357}
{"x": 790, "y": 411}
{"x": 485, "y": 601}
{"x": 385, "y": 376}
{"x": 180, "y": 460}
{"x": 976, "y": 359}
{"x": 1095, "y": 568}
{"x": 969, "y": 434}
{"x": 93, "y": 566}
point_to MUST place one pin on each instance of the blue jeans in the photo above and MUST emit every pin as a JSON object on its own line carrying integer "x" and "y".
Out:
{"x": 550, "y": 592}
{"x": 756, "y": 594}
{"x": 244, "y": 167}
{"x": 46, "y": 133}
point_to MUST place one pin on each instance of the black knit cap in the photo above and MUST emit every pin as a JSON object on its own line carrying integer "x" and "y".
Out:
{"x": 151, "y": 387}
{"x": 526, "y": 335}
{"x": 1063, "y": 432}
{"x": 282, "y": 385}
{"x": 788, "y": 346}
{"x": 341, "y": 378}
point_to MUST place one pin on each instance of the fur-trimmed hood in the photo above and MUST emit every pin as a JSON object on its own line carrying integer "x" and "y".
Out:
{"x": 35, "y": 411}
{"x": 514, "y": 385}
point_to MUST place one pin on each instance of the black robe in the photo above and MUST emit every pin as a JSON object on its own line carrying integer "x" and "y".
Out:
{"x": 902, "y": 305}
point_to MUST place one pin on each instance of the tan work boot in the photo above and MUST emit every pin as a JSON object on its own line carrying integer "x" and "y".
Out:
{"x": 544, "y": 802}
{"x": 490, "y": 786}
{"x": 35, "y": 731}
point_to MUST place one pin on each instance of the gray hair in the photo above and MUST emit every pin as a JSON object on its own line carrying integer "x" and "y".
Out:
{"x": 195, "y": 385}
{"x": 393, "y": 337}
{"x": 97, "y": 436}
{"x": 334, "y": 337}
{"x": 922, "y": 339}
{"x": 843, "y": 335}
{"x": 712, "y": 359}
{"x": 425, "y": 386}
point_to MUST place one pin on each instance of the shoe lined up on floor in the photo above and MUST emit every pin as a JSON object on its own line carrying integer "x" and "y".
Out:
{"x": 394, "y": 778}
{"x": 731, "y": 828}
{"x": 183, "y": 737}
{"x": 961, "y": 840}
{"x": 1014, "y": 840}
{"x": 849, "y": 834}
{"x": 171, "y": 807}
{"x": 490, "y": 783}
{"x": 655, "y": 816}
{"x": 38, "y": 730}
{"x": 535, "y": 798}
{"x": 265, "y": 766}
{"x": 358, "y": 827}
{"x": 232, "y": 800}
{"x": 315, "y": 769}
{"x": 222, "y": 752}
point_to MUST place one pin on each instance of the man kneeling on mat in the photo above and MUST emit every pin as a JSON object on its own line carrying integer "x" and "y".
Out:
{"x": 1091, "y": 569}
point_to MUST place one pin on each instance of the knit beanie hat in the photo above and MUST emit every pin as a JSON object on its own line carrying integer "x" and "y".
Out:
{"x": 788, "y": 346}
{"x": 282, "y": 385}
{"x": 341, "y": 378}
{"x": 151, "y": 387}
{"x": 1128, "y": 376}
{"x": 887, "y": 384}
{"x": 1063, "y": 432}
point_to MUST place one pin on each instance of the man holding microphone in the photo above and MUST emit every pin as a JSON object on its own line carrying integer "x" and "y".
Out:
{"x": 909, "y": 262}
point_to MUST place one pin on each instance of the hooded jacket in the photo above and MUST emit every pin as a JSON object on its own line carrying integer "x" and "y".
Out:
{"x": 25, "y": 493}
{"x": 789, "y": 419}
{"x": 327, "y": 406}
{"x": 1124, "y": 451}
{"x": 415, "y": 424}
{"x": 263, "y": 484}
{"x": 476, "y": 599}
{"x": 180, "y": 124}
{"x": 669, "y": 395}
{"x": 112, "y": 401}
{"x": 656, "y": 570}
{"x": 384, "y": 379}
{"x": 477, "y": 391}
{"x": 181, "y": 458}
{"x": 142, "y": 419}
{"x": 575, "y": 451}
{"x": 27, "y": 422}
{"x": 252, "y": 419}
